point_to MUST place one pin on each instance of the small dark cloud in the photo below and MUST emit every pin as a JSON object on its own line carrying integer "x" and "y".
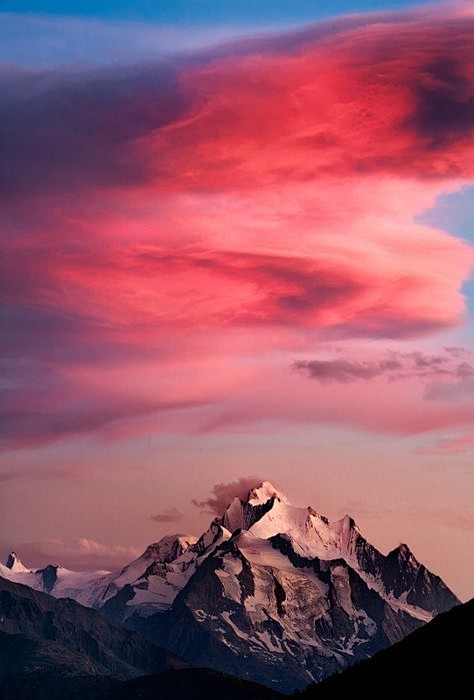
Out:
{"x": 426, "y": 361}
{"x": 168, "y": 515}
{"x": 453, "y": 391}
{"x": 342, "y": 371}
{"x": 223, "y": 494}
{"x": 465, "y": 370}
{"x": 457, "y": 352}
{"x": 448, "y": 374}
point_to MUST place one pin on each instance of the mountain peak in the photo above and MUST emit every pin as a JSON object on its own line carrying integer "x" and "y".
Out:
{"x": 243, "y": 514}
{"x": 14, "y": 563}
{"x": 404, "y": 553}
{"x": 263, "y": 493}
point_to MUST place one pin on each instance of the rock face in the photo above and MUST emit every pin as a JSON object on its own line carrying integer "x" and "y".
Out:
{"x": 270, "y": 592}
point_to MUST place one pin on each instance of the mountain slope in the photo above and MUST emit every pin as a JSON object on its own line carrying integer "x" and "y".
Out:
{"x": 434, "y": 661}
{"x": 150, "y": 583}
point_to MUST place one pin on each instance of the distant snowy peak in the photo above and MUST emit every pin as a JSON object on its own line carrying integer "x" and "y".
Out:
{"x": 15, "y": 565}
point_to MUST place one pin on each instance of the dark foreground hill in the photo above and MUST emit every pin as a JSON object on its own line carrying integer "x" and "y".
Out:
{"x": 192, "y": 684}
{"x": 434, "y": 661}
{"x": 186, "y": 684}
{"x": 78, "y": 633}
{"x": 55, "y": 648}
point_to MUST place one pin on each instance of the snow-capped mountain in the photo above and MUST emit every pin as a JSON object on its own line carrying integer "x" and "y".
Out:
{"x": 270, "y": 592}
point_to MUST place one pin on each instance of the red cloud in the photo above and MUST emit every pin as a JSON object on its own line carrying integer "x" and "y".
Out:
{"x": 388, "y": 97}
{"x": 172, "y": 232}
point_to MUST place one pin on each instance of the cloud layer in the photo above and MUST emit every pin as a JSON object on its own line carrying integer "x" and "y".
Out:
{"x": 182, "y": 234}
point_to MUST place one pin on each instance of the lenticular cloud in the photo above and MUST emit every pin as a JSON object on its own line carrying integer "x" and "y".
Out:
{"x": 184, "y": 220}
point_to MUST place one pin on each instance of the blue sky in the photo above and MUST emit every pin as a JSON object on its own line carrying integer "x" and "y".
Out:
{"x": 455, "y": 213}
{"x": 204, "y": 11}
{"x": 43, "y": 34}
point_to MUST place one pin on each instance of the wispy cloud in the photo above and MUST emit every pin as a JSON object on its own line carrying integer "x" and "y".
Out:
{"x": 452, "y": 445}
{"x": 168, "y": 515}
{"x": 80, "y": 554}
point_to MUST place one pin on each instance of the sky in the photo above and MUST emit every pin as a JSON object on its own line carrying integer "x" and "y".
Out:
{"x": 238, "y": 245}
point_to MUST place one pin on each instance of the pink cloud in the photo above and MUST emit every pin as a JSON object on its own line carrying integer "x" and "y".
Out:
{"x": 390, "y": 97}
{"x": 452, "y": 446}
{"x": 283, "y": 399}
{"x": 180, "y": 237}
